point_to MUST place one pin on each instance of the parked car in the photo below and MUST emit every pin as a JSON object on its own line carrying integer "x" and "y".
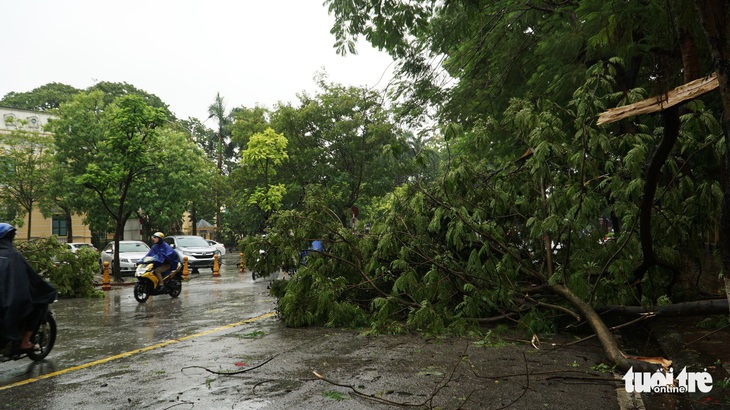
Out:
{"x": 219, "y": 246}
{"x": 75, "y": 246}
{"x": 198, "y": 251}
{"x": 129, "y": 253}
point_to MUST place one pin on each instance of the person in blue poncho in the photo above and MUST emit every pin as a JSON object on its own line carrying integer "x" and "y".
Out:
{"x": 316, "y": 246}
{"x": 24, "y": 295}
{"x": 165, "y": 255}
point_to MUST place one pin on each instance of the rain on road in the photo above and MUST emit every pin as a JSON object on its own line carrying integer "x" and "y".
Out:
{"x": 94, "y": 331}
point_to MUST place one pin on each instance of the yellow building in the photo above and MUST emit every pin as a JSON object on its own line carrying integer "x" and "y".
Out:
{"x": 15, "y": 119}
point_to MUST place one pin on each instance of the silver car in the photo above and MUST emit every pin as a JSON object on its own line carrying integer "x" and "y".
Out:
{"x": 198, "y": 251}
{"x": 129, "y": 253}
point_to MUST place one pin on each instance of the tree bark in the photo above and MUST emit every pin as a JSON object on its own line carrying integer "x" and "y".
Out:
{"x": 606, "y": 338}
{"x": 687, "y": 309}
{"x": 714, "y": 15}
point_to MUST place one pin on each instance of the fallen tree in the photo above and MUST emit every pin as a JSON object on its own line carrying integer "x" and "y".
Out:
{"x": 685, "y": 309}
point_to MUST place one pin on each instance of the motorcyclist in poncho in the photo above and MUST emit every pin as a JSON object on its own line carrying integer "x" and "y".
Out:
{"x": 163, "y": 252}
{"x": 24, "y": 295}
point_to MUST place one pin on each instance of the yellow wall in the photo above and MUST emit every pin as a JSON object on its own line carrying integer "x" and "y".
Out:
{"x": 42, "y": 228}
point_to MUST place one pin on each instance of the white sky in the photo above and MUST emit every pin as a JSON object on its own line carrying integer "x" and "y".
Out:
{"x": 184, "y": 51}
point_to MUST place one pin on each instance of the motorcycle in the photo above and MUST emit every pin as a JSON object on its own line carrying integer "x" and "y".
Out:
{"x": 44, "y": 336}
{"x": 146, "y": 285}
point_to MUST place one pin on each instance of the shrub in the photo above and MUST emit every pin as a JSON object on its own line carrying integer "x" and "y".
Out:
{"x": 71, "y": 273}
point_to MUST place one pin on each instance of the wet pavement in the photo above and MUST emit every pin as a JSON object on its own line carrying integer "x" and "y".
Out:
{"x": 220, "y": 346}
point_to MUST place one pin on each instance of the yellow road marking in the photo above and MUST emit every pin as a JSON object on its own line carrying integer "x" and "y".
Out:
{"x": 133, "y": 352}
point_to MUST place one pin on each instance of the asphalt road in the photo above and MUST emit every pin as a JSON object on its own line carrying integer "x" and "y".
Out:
{"x": 219, "y": 345}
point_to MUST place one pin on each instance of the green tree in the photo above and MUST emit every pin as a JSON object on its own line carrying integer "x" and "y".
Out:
{"x": 44, "y": 98}
{"x": 107, "y": 148}
{"x": 342, "y": 139}
{"x": 217, "y": 110}
{"x": 181, "y": 178}
{"x": 527, "y": 174}
{"x": 201, "y": 207}
{"x": 266, "y": 151}
{"x": 26, "y": 161}
{"x": 343, "y": 150}
{"x": 247, "y": 122}
{"x": 62, "y": 196}
{"x": 112, "y": 91}
{"x": 713, "y": 15}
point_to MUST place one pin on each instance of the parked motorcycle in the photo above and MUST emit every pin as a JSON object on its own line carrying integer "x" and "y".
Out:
{"x": 44, "y": 337}
{"x": 146, "y": 285}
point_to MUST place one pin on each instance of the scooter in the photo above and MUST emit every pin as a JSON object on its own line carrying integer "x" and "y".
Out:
{"x": 146, "y": 285}
{"x": 44, "y": 337}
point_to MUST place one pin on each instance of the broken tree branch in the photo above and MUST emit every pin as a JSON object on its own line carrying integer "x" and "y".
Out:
{"x": 230, "y": 373}
{"x": 673, "y": 97}
{"x": 365, "y": 395}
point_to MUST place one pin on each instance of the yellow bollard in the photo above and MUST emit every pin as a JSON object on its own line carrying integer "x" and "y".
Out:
{"x": 106, "y": 284}
{"x": 185, "y": 268}
{"x": 241, "y": 267}
{"x": 216, "y": 267}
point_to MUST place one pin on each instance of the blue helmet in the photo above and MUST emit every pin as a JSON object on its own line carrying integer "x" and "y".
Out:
{"x": 5, "y": 228}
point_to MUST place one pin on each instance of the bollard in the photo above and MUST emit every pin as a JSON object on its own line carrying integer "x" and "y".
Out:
{"x": 106, "y": 285}
{"x": 216, "y": 267}
{"x": 241, "y": 267}
{"x": 185, "y": 268}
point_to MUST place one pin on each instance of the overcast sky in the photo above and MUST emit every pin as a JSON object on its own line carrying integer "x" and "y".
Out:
{"x": 184, "y": 51}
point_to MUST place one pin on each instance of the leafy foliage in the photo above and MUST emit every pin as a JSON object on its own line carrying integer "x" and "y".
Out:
{"x": 44, "y": 98}
{"x": 26, "y": 160}
{"x": 504, "y": 222}
{"x": 109, "y": 150}
{"x": 71, "y": 273}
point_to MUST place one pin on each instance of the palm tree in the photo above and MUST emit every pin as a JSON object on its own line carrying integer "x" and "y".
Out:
{"x": 218, "y": 110}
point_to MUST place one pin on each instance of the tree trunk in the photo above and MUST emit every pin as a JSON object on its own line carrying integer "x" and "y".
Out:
{"x": 687, "y": 309}
{"x": 69, "y": 226}
{"x": 608, "y": 341}
{"x": 118, "y": 235}
{"x": 194, "y": 219}
{"x": 714, "y": 15}
{"x": 30, "y": 217}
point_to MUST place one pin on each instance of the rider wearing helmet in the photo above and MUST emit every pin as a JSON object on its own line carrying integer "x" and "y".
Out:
{"x": 164, "y": 253}
{"x": 24, "y": 295}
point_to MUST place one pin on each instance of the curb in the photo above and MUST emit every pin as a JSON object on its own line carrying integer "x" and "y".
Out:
{"x": 115, "y": 284}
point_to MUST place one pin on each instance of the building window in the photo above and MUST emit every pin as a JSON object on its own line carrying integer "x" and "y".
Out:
{"x": 59, "y": 226}
{"x": 9, "y": 120}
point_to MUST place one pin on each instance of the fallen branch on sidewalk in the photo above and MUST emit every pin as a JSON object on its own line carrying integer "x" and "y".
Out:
{"x": 426, "y": 403}
{"x": 229, "y": 373}
{"x": 365, "y": 395}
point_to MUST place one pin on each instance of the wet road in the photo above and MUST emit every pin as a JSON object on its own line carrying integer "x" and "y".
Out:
{"x": 219, "y": 346}
{"x": 92, "y": 331}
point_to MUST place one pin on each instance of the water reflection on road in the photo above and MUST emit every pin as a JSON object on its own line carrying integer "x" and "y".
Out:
{"x": 92, "y": 329}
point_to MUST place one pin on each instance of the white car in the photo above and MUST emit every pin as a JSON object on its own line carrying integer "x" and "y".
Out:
{"x": 129, "y": 253}
{"x": 75, "y": 246}
{"x": 219, "y": 246}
